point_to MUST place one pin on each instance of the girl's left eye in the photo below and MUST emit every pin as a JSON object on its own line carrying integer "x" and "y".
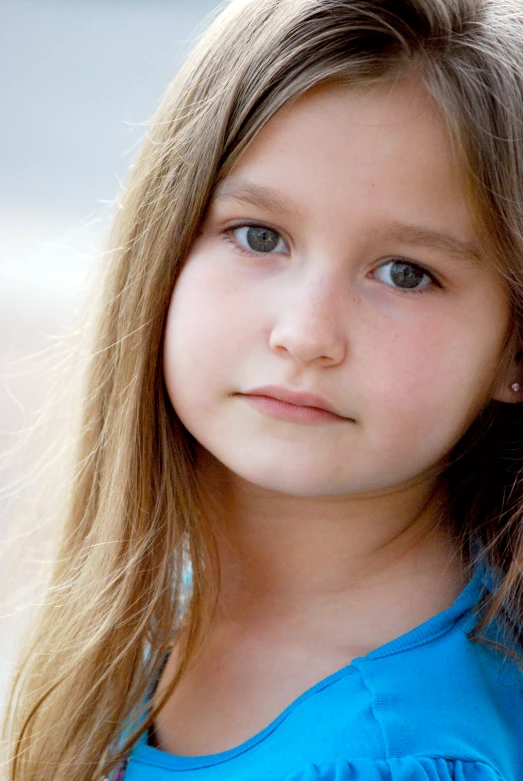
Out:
{"x": 403, "y": 275}
{"x": 256, "y": 239}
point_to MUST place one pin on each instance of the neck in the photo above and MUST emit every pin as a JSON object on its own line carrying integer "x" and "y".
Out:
{"x": 283, "y": 557}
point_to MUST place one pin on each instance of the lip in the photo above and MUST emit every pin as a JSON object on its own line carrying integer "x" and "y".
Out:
{"x": 296, "y": 398}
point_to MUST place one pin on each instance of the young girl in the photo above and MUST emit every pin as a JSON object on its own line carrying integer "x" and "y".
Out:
{"x": 293, "y": 547}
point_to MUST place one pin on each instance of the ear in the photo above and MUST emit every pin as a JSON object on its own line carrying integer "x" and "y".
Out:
{"x": 510, "y": 387}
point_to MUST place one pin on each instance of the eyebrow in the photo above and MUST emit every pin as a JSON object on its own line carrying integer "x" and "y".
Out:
{"x": 241, "y": 190}
{"x": 257, "y": 195}
{"x": 414, "y": 236}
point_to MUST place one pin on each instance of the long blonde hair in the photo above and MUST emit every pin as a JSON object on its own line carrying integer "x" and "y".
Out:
{"x": 135, "y": 516}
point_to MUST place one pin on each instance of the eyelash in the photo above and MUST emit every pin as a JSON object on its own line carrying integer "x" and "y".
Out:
{"x": 228, "y": 237}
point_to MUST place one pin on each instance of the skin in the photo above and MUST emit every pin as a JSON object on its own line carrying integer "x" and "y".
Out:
{"x": 332, "y": 537}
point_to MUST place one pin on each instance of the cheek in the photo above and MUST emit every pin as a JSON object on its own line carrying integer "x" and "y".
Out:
{"x": 429, "y": 382}
{"x": 189, "y": 337}
{"x": 443, "y": 349}
{"x": 208, "y": 325}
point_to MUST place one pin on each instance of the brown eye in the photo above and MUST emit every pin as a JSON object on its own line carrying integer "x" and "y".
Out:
{"x": 403, "y": 275}
{"x": 259, "y": 239}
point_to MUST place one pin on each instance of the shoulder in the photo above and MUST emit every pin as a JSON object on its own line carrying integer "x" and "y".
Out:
{"x": 450, "y": 697}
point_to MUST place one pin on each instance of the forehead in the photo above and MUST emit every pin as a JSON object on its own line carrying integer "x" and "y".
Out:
{"x": 358, "y": 127}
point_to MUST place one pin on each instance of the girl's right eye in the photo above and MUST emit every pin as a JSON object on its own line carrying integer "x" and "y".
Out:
{"x": 255, "y": 240}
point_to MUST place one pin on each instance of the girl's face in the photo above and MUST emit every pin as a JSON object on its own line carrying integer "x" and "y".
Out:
{"x": 337, "y": 259}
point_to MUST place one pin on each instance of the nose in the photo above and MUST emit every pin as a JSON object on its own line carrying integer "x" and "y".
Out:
{"x": 308, "y": 326}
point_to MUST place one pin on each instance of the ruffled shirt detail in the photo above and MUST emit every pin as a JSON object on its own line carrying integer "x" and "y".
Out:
{"x": 400, "y": 769}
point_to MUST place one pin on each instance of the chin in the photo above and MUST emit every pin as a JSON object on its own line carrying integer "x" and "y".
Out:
{"x": 293, "y": 481}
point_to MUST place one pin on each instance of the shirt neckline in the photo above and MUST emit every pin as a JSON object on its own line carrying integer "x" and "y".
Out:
{"x": 423, "y": 633}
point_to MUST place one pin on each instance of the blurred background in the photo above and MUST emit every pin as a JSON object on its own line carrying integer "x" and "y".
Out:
{"x": 79, "y": 80}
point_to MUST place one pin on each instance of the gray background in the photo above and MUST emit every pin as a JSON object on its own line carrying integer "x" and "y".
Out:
{"x": 79, "y": 79}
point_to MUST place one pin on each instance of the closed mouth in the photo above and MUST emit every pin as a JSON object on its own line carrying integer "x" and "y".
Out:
{"x": 297, "y": 399}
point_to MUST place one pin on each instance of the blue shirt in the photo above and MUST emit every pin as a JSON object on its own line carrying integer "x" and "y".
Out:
{"x": 429, "y": 706}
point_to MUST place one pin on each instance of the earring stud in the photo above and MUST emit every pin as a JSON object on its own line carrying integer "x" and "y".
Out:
{"x": 515, "y": 387}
